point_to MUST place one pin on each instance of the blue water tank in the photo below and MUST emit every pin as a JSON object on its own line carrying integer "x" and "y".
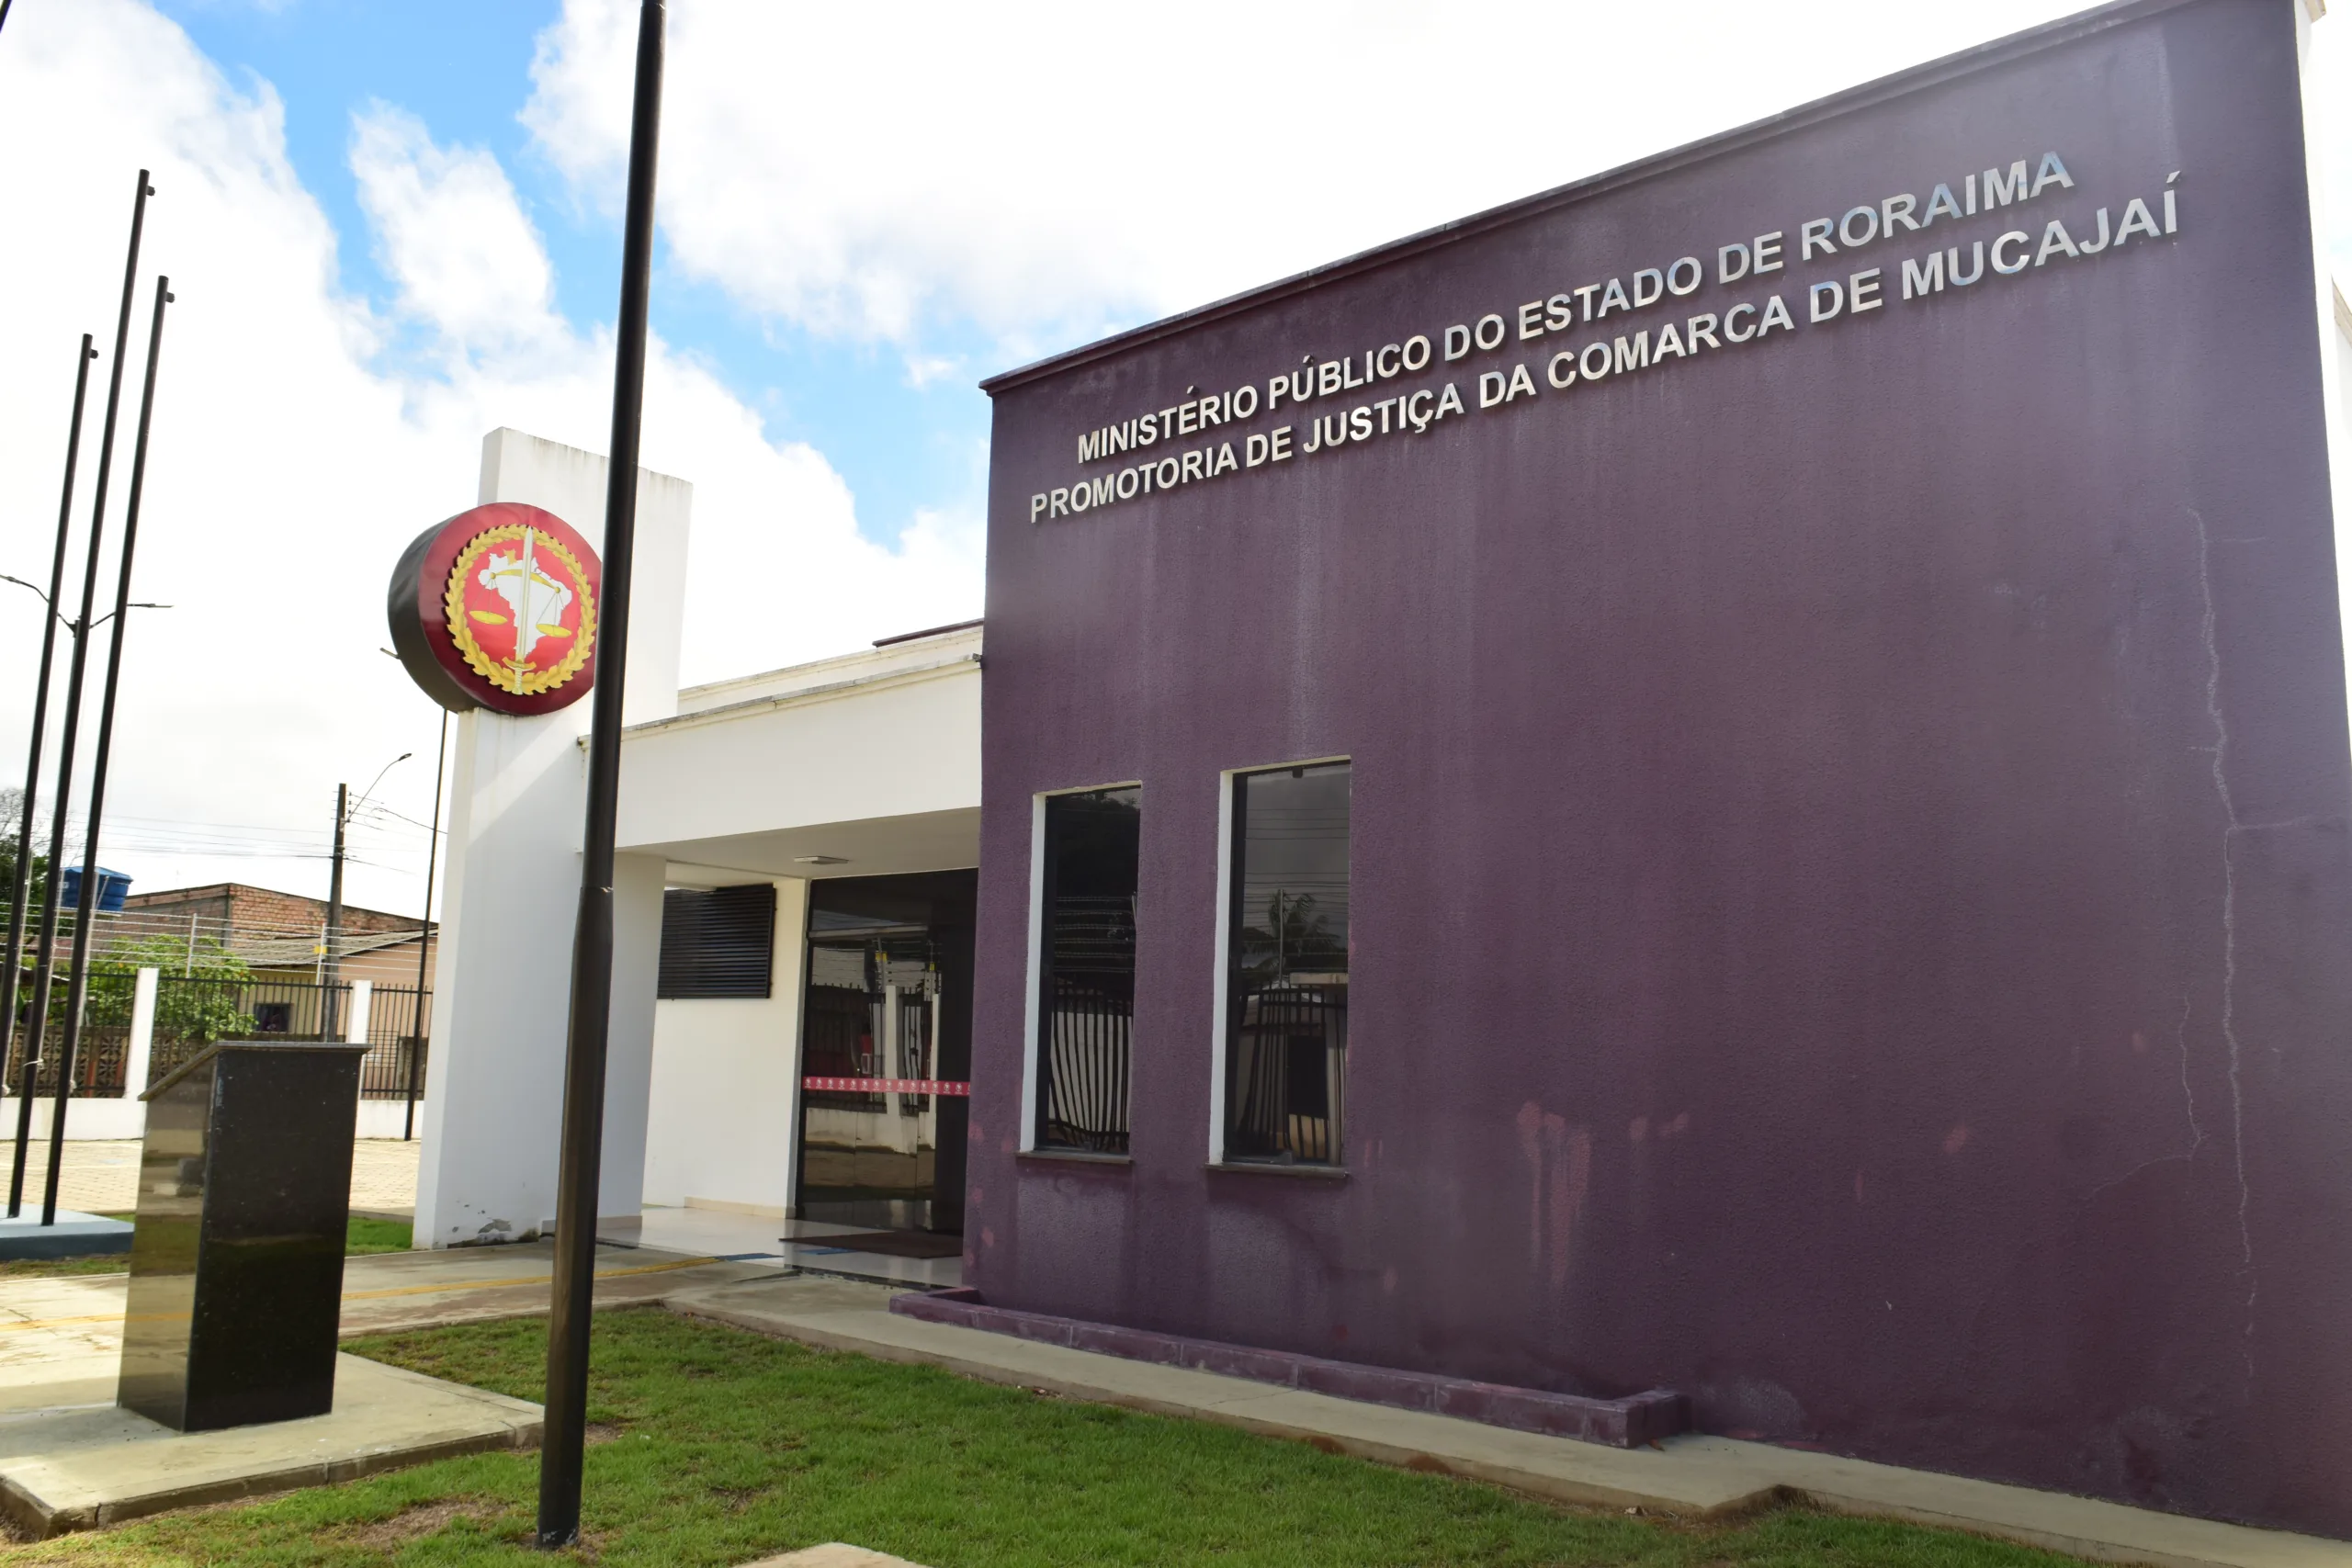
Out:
{"x": 112, "y": 888}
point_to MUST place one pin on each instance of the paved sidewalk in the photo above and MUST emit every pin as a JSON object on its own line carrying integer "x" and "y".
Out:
{"x": 101, "y": 1175}
{"x": 388, "y": 1293}
{"x": 1698, "y": 1477}
{"x": 44, "y": 1319}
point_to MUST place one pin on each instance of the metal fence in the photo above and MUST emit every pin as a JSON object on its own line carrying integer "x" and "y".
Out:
{"x": 192, "y": 1011}
{"x": 399, "y": 1019}
{"x": 1089, "y": 1036}
{"x": 842, "y": 1034}
{"x": 103, "y": 1048}
{"x": 1289, "y": 1074}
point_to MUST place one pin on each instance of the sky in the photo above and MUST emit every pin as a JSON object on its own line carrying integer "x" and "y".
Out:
{"x": 392, "y": 226}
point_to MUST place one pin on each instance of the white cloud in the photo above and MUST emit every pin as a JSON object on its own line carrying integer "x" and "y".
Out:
{"x": 867, "y": 171}
{"x": 449, "y": 227}
{"x": 1045, "y": 170}
{"x": 290, "y": 465}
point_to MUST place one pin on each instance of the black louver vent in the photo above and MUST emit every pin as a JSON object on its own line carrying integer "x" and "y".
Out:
{"x": 719, "y": 943}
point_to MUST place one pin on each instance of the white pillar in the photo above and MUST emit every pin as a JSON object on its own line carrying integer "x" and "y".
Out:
{"x": 139, "y": 1050}
{"x": 638, "y": 881}
{"x": 355, "y": 1028}
{"x": 502, "y": 986}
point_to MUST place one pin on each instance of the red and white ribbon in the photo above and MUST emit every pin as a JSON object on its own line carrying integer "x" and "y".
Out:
{"x": 888, "y": 1086}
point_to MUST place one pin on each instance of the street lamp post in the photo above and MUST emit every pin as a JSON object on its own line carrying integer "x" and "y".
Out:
{"x": 330, "y": 961}
{"x": 424, "y": 932}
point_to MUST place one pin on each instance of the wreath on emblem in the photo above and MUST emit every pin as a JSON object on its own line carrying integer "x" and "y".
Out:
{"x": 534, "y": 600}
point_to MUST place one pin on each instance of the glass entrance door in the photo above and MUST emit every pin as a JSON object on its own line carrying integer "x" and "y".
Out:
{"x": 885, "y": 1052}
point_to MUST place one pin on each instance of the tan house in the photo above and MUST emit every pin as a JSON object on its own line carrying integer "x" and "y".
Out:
{"x": 282, "y": 934}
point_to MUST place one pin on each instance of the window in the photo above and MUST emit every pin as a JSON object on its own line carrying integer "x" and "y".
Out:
{"x": 1087, "y": 970}
{"x": 718, "y": 942}
{"x": 1286, "y": 956}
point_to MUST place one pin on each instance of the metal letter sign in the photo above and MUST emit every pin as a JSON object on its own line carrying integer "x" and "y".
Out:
{"x": 497, "y": 608}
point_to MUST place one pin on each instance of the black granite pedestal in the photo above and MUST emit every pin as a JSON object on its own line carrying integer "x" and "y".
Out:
{"x": 236, "y": 1267}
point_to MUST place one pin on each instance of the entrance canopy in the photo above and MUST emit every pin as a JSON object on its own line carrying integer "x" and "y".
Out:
{"x": 830, "y": 783}
{"x": 862, "y": 765}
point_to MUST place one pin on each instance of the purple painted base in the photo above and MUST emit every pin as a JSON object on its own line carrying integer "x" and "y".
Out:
{"x": 1620, "y": 1423}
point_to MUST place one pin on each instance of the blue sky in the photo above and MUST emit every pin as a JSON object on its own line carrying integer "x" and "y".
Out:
{"x": 463, "y": 67}
{"x": 849, "y": 193}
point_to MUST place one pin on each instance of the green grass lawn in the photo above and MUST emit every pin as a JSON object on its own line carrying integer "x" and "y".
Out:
{"x": 366, "y": 1235}
{"x": 371, "y": 1235}
{"x": 712, "y": 1445}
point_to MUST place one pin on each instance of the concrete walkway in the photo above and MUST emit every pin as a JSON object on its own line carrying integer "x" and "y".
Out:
{"x": 101, "y": 1175}
{"x": 390, "y": 1292}
{"x": 45, "y": 1320}
{"x": 70, "y": 1459}
{"x": 71, "y": 1463}
{"x": 1695, "y": 1477}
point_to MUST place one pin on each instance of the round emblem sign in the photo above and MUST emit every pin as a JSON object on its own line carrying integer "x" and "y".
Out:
{"x": 498, "y": 608}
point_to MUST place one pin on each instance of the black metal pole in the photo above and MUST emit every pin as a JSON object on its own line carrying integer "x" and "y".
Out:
{"x": 22, "y": 889}
{"x": 424, "y": 933}
{"x": 562, "y": 1449}
{"x": 36, "y": 1021}
{"x": 77, "y": 987}
{"x": 329, "y": 967}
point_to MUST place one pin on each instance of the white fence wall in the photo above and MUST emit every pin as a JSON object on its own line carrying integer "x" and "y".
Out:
{"x": 95, "y": 1119}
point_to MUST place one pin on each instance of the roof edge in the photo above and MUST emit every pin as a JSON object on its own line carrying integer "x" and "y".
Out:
{"x": 1913, "y": 79}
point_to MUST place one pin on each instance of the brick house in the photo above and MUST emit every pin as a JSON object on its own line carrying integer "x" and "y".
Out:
{"x": 278, "y": 932}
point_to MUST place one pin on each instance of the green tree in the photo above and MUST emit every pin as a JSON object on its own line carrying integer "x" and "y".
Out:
{"x": 1295, "y": 936}
{"x": 200, "y": 998}
{"x": 12, "y": 805}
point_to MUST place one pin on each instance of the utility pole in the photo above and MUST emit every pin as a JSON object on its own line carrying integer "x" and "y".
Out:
{"x": 22, "y": 890}
{"x": 563, "y": 1446}
{"x": 330, "y": 961}
{"x": 330, "y": 969}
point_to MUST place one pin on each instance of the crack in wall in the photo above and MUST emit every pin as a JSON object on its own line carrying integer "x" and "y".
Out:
{"x": 2188, "y": 1094}
{"x": 2221, "y": 755}
{"x": 2188, "y": 1100}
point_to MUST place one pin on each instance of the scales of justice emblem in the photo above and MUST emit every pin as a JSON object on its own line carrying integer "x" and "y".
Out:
{"x": 520, "y": 609}
{"x": 497, "y": 608}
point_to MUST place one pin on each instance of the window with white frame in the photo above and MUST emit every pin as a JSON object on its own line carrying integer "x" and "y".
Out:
{"x": 1086, "y": 969}
{"x": 1286, "y": 966}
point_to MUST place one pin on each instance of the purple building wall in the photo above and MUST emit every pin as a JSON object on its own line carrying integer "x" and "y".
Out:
{"x": 1849, "y": 871}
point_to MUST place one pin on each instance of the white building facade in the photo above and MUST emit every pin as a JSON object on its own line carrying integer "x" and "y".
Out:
{"x": 856, "y": 777}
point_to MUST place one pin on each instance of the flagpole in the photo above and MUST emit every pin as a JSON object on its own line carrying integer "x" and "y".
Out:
{"x": 22, "y": 889}
{"x": 77, "y": 987}
{"x": 563, "y": 1448}
{"x": 44, "y": 970}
